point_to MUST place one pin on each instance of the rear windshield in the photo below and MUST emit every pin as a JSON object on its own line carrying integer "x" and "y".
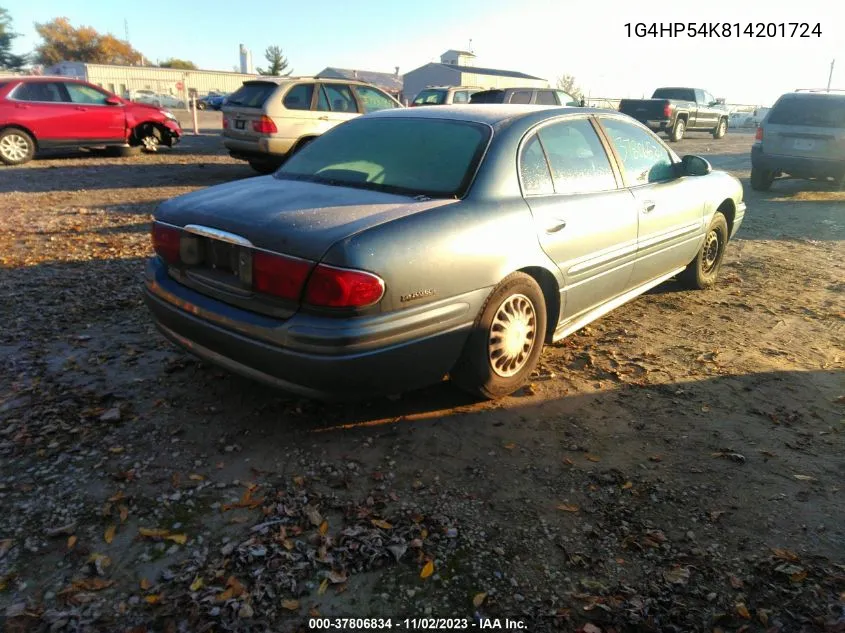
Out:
{"x": 252, "y": 95}
{"x": 488, "y": 96}
{"x": 431, "y": 97}
{"x": 813, "y": 111}
{"x": 408, "y": 156}
{"x": 681, "y": 94}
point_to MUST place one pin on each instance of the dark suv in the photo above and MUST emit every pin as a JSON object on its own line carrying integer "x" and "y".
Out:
{"x": 537, "y": 96}
{"x": 802, "y": 136}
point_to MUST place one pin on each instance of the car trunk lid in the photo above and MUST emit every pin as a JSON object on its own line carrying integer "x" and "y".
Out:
{"x": 807, "y": 126}
{"x": 245, "y": 108}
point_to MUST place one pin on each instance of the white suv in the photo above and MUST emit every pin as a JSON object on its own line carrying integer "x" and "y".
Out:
{"x": 268, "y": 119}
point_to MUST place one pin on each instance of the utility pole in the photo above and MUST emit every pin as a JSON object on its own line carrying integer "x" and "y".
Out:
{"x": 830, "y": 76}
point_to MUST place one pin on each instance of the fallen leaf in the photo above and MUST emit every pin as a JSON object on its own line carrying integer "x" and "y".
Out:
{"x": 181, "y": 539}
{"x": 510, "y": 446}
{"x": 108, "y": 537}
{"x": 742, "y": 611}
{"x": 117, "y": 496}
{"x": 593, "y": 458}
{"x": 384, "y": 525}
{"x": 299, "y": 481}
{"x": 785, "y": 554}
{"x": 479, "y": 599}
{"x": 288, "y": 544}
{"x": 323, "y": 586}
{"x": 92, "y": 584}
{"x": 627, "y": 485}
{"x": 196, "y": 477}
{"x": 705, "y": 408}
{"x": 589, "y": 628}
{"x": 736, "y": 583}
{"x": 153, "y": 598}
{"x": 337, "y": 577}
{"x": 427, "y": 569}
{"x": 145, "y": 584}
{"x": 798, "y": 576}
{"x": 804, "y": 478}
{"x": 324, "y": 527}
{"x": 152, "y": 533}
{"x": 197, "y": 584}
{"x": 71, "y": 541}
{"x": 763, "y": 616}
{"x": 677, "y": 575}
{"x": 124, "y": 513}
{"x": 313, "y": 515}
{"x": 117, "y": 450}
{"x": 290, "y": 605}
{"x": 567, "y": 507}
{"x": 655, "y": 458}
{"x": 568, "y": 461}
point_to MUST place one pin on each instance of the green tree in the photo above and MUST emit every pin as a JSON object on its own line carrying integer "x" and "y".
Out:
{"x": 182, "y": 64}
{"x": 8, "y": 60}
{"x": 569, "y": 86}
{"x": 278, "y": 63}
{"x": 63, "y": 42}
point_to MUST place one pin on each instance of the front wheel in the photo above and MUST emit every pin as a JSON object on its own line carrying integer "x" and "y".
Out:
{"x": 16, "y": 147}
{"x": 677, "y": 132}
{"x": 701, "y": 273}
{"x": 721, "y": 129}
{"x": 506, "y": 341}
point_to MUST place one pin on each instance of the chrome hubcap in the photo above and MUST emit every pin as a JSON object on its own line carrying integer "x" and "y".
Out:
{"x": 722, "y": 127}
{"x": 14, "y": 147}
{"x": 711, "y": 251}
{"x": 513, "y": 334}
{"x": 150, "y": 143}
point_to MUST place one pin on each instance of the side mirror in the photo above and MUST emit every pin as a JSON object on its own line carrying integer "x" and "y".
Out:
{"x": 113, "y": 100}
{"x": 692, "y": 165}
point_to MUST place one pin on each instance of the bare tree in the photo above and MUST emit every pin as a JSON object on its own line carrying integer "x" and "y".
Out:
{"x": 568, "y": 85}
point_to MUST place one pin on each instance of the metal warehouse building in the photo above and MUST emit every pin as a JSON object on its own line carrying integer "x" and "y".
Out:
{"x": 169, "y": 81}
{"x": 456, "y": 68}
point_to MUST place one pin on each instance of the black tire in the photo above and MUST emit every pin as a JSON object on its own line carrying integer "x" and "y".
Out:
{"x": 701, "y": 273}
{"x": 721, "y": 129}
{"x": 761, "y": 179}
{"x": 263, "y": 166}
{"x": 475, "y": 372}
{"x": 16, "y": 146}
{"x": 123, "y": 151}
{"x": 678, "y": 130}
{"x": 200, "y": 105}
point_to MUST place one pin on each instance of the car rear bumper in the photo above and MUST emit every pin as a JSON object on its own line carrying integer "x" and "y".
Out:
{"x": 658, "y": 125}
{"x": 318, "y": 357}
{"x": 258, "y": 148}
{"x": 799, "y": 166}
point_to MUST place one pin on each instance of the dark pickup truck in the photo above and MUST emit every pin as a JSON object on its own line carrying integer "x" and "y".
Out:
{"x": 676, "y": 110}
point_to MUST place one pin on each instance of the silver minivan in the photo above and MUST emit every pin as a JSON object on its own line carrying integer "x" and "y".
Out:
{"x": 802, "y": 136}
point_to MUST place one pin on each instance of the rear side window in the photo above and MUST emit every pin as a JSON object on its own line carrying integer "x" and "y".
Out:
{"x": 488, "y": 96}
{"x": 299, "y": 97}
{"x": 252, "y": 95}
{"x": 545, "y": 97}
{"x": 41, "y": 91}
{"x": 536, "y": 179}
{"x": 812, "y": 111}
{"x": 430, "y": 97}
{"x": 577, "y": 158}
{"x": 521, "y": 96}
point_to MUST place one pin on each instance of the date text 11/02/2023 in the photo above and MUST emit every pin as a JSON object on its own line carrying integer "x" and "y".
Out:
{"x": 724, "y": 29}
{"x": 411, "y": 624}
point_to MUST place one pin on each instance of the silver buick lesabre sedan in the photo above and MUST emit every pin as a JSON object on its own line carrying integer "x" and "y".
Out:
{"x": 408, "y": 245}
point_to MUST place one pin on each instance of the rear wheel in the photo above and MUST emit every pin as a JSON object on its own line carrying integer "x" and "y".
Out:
{"x": 16, "y": 146}
{"x": 761, "y": 179}
{"x": 701, "y": 273}
{"x": 677, "y": 132}
{"x": 721, "y": 129}
{"x": 506, "y": 341}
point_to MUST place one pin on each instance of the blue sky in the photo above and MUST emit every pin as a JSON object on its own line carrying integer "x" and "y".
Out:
{"x": 541, "y": 37}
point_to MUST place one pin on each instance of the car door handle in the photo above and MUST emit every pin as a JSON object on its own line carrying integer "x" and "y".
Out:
{"x": 554, "y": 228}
{"x": 81, "y": 108}
{"x": 322, "y": 118}
{"x": 648, "y": 206}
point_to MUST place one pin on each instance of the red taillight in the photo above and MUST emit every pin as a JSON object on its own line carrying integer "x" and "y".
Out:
{"x": 264, "y": 125}
{"x": 342, "y": 288}
{"x": 278, "y": 275}
{"x": 225, "y": 122}
{"x": 759, "y": 134}
{"x": 166, "y": 242}
{"x": 667, "y": 110}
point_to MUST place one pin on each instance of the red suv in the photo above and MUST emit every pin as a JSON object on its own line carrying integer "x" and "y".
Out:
{"x": 49, "y": 112}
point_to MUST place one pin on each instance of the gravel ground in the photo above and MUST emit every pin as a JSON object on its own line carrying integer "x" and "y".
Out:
{"x": 675, "y": 466}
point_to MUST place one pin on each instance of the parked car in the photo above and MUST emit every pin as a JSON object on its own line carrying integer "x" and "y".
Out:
{"x": 400, "y": 247}
{"x": 157, "y": 99}
{"x": 538, "y": 96}
{"x": 39, "y": 113}
{"x": 211, "y": 101}
{"x": 269, "y": 119}
{"x": 444, "y": 95}
{"x": 675, "y": 111}
{"x": 803, "y": 136}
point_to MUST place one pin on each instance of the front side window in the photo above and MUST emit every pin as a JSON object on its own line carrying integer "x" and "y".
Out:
{"x": 430, "y": 97}
{"x": 43, "y": 91}
{"x": 337, "y": 98}
{"x": 373, "y": 99}
{"x": 567, "y": 99}
{"x": 80, "y": 93}
{"x": 577, "y": 158}
{"x": 521, "y": 96}
{"x": 461, "y": 96}
{"x": 534, "y": 170}
{"x": 409, "y": 156}
{"x": 644, "y": 158}
{"x": 299, "y": 97}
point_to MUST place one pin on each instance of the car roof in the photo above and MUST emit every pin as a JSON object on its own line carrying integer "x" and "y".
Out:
{"x": 285, "y": 80}
{"x": 42, "y": 78}
{"x": 490, "y": 114}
